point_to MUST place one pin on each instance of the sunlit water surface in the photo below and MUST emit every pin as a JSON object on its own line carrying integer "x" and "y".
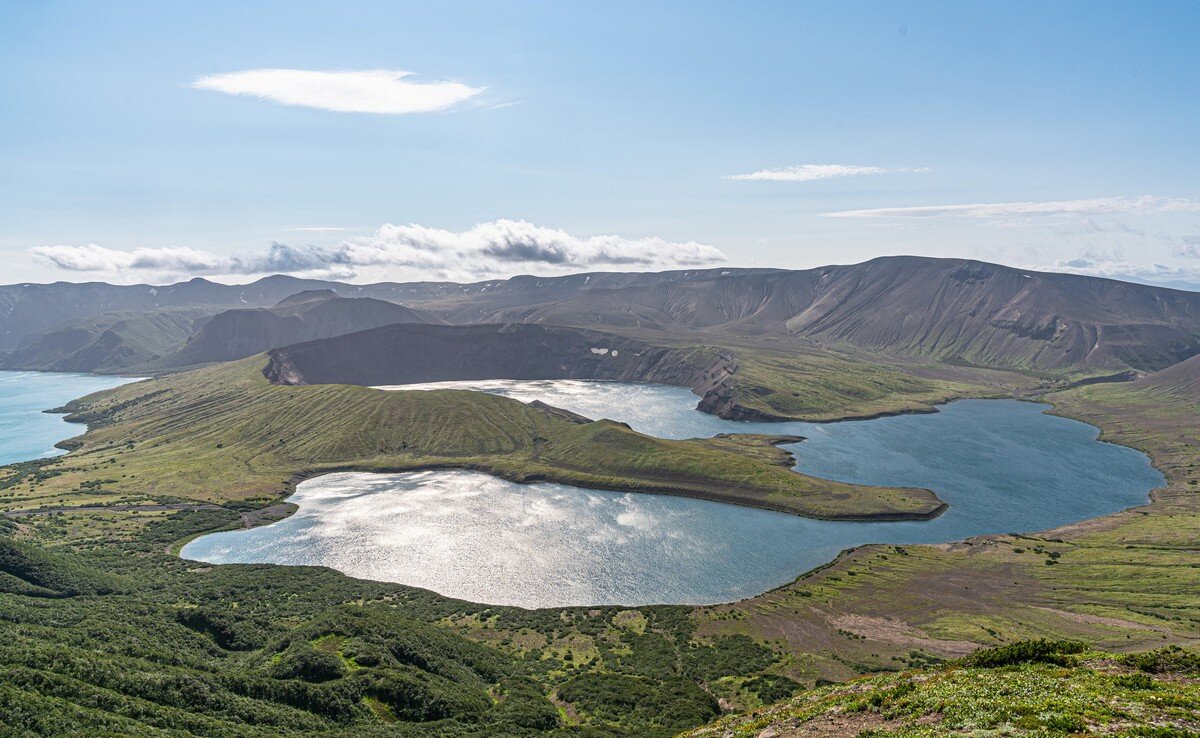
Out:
{"x": 1002, "y": 465}
{"x": 26, "y": 431}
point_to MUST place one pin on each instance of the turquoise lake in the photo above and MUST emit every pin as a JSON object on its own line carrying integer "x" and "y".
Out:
{"x": 26, "y": 431}
{"x": 1002, "y": 465}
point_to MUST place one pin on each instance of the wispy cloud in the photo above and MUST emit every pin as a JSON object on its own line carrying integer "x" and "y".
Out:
{"x": 1146, "y": 204}
{"x": 810, "y": 172}
{"x": 497, "y": 248}
{"x": 1185, "y": 277}
{"x": 1189, "y": 247}
{"x": 318, "y": 229}
{"x": 368, "y": 91}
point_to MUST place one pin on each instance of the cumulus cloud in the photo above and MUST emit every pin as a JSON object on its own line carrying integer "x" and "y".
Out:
{"x": 810, "y": 172}
{"x": 1146, "y": 204}
{"x": 497, "y": 248}
{"x": 369, "y": 91}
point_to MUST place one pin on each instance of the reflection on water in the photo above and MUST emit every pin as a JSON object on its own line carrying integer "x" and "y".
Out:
{"x": 1003, "y": 465}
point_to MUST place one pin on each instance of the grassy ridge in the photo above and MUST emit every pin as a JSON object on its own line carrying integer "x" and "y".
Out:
{"x": 224, "y": 434}
{"x": 821, "y": 385}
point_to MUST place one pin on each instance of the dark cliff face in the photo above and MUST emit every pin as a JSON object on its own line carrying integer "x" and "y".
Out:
{"x": 409, "y": 353}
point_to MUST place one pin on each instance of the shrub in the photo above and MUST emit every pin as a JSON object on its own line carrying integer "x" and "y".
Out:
{"x": 1024, "y": 652}
{"x": 302, "y": 661}
{"x": 1169, "y": 660}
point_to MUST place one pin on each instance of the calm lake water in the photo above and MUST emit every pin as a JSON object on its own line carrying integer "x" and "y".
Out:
{"x": 26, "y": 432}
{"x": 1002, "y": 465}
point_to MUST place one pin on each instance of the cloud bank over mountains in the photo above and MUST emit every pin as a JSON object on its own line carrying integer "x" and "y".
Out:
{"x": 493, "y": 249}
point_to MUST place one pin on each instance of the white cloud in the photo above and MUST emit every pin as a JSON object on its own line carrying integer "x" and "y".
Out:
{"x": 810, "y": 172}
{"x": 1146, "y": 204}
{"x": 93, "y": 258}
{"x": 368, "y": 91}
{"x": 497, "y": 248}
{"x": 1116, "y": 268}
{"x": 1189, "y": 247}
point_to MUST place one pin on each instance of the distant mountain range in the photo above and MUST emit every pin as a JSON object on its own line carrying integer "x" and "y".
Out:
{"x": 953, "y": 310}
{"x": 305, "y": 316}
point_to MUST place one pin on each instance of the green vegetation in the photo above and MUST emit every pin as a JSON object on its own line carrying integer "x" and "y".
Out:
{"x": 130, "y": 639}
{"x": 1075, "y": 693}
{"x": 104, "y": 630}
{"x": 824, "y": 385}
{"x": 224, "y": 434}
{"x": 117, "y": 342}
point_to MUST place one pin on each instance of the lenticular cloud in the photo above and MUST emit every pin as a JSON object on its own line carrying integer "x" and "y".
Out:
{"x": 379, "y": 91}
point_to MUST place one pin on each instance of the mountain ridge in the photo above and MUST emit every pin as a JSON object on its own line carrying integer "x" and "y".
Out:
{"x": 952, "y": 310}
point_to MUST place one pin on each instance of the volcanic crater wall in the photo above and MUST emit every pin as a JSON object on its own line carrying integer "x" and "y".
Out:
{"x": 413, "y": 353}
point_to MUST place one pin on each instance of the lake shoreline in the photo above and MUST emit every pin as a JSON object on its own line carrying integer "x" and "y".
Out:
{"x": 853, "y": 541}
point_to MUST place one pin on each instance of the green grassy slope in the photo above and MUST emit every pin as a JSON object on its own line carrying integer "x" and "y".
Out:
{"x": 1032, "y": 688}
{"x": 116, "y": 342}
{"x": 821, "y": 385}
{"x": 224, "y": 434}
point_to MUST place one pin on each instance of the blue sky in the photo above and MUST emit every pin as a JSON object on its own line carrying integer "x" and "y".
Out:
{"x": 552, "y": 137}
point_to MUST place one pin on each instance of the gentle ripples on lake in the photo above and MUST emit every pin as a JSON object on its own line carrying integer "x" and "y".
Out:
{"x": 26, "y": 430}
{"x": 1002, "y": 465}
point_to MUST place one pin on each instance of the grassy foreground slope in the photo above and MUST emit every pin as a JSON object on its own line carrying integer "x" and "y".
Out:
{"x": 224, "y": 434}
{"x": 1030, "y": 688}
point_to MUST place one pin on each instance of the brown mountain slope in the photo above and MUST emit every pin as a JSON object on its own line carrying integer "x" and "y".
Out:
{"x": 946, "y": 308}
{"x": 1182, "y": 380}
{"x": 951, "y": 309}
{"x": 306, "y": 316}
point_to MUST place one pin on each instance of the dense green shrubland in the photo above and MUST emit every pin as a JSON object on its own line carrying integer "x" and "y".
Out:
{"x": 133, "y": 640}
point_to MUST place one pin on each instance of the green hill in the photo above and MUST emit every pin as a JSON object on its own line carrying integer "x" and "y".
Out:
{"x": 225, "y": 434}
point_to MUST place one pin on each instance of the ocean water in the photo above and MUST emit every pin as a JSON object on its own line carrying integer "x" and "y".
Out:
{"x": 26, "y": 432}
{"x": 1002, "y": 465}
